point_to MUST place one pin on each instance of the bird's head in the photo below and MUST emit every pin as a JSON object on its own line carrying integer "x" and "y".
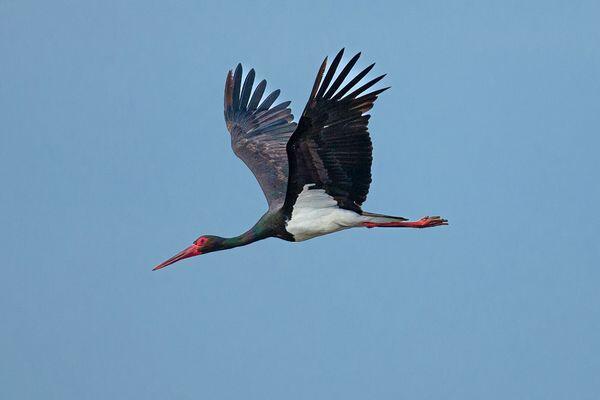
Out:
{"x": 202, "y": 245}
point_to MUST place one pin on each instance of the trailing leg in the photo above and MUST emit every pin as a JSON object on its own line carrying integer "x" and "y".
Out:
{"x": 425, "y": 222}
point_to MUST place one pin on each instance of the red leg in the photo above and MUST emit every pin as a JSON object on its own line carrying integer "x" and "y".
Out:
{"x": 425, "y": 222}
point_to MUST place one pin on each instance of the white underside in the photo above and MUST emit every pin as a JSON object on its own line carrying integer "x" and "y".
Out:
{"x": 316, "y": 213}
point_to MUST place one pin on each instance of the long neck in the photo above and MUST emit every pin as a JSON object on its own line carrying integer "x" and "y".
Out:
{"x": 256, "y": 233}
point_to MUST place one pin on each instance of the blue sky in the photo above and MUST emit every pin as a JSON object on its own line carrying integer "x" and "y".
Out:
{"x": 114, "y": 155}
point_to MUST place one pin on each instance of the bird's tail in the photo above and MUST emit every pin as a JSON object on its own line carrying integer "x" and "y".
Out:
{"x": 379, "y": 218}
{"x": 372, "y": 220}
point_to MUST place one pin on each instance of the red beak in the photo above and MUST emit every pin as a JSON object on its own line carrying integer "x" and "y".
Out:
{"x": 191, "y": 251}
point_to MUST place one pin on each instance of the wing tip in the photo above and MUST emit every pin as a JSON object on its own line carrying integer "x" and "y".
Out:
{"x": 229, "y": 90}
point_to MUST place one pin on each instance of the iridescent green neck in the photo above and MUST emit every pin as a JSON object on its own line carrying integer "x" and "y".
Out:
{"x": 254, "y": 234}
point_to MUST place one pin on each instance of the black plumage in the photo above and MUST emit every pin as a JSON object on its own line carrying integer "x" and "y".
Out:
{"x": 331, "y": 147}
{"x": 259, "y": 133}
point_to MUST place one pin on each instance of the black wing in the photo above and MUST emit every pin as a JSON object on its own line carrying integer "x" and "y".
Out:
{"x": 259, "y": 133}
{"x": 331, "y": 148}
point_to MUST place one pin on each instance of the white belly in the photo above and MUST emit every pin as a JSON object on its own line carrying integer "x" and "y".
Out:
{"x": 316, "y": 213}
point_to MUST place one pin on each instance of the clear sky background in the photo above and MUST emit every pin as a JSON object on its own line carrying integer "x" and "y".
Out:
{"x": 114, "y": 156}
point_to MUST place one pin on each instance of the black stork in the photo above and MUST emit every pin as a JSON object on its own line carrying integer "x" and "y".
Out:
{"x": 315, "y": 174}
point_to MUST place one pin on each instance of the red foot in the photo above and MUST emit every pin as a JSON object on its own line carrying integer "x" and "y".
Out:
{"x": 425, "y": 222}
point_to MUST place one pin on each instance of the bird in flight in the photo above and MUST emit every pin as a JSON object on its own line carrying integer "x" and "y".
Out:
{"x": 315, "y": 173}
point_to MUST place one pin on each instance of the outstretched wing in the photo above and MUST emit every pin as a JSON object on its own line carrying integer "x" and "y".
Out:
{"x": 331, "y": 148}
{"x": 259, "y": 132}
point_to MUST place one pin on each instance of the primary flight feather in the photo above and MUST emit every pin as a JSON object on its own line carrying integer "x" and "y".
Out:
{"x": 315, "y": 174}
